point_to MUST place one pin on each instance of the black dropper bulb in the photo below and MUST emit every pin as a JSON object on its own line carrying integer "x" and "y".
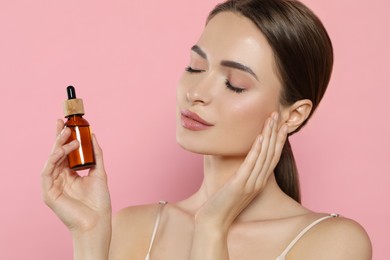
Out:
{"x": 71, "y": 92}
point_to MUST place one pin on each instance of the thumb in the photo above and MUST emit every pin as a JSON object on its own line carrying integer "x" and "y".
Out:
{"x": 99, "y": 168}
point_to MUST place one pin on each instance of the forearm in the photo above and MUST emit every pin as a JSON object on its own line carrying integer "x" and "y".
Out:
{"x": 209, "y": 243}
{"x": 93, "y": 244}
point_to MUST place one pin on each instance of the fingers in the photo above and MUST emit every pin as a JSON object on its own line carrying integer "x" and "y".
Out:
{"x": 57, "y": 156}
{"x": 49, "y": 167}
{"x": 272, "y": 152}
{"x": 53, "y": 166}
{"x": 281, "y": 140}
{"x": 60, "y": 143}
{"x": 268, "y": 148}
{"x": 261, "y": 160}
{"x": 63, "y": 135}
{"x": 253, "y": 153}
{"x": 264, "y": 154}
{"x": 254, "y": 161}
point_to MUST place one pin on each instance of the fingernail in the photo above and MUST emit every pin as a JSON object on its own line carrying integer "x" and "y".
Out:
{"x": 275, "y": 116}
{"x": 63, "y": 130}
{"x": 271, "y": 123}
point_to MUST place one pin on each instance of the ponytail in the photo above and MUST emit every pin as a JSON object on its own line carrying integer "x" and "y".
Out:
{"x": 286, "y": 173}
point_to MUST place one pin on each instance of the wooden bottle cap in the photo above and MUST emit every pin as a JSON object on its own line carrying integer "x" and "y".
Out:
{"x": 73, "y": 107}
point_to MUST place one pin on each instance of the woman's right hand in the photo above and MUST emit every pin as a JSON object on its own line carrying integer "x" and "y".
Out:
{"x": 82, "y": 203}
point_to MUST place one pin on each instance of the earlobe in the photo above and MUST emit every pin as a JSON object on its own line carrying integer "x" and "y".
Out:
{"x": 297, "y": 114}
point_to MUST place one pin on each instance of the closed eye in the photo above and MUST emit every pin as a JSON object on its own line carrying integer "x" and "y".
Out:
{"x": 233, "y": 88}
{"x": 191, "y": 70}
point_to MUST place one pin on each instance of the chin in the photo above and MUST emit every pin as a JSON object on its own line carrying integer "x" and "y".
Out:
{"x": 207, "y": 147}
{"x": 212, "y": 143}
{"x": 190, "y": 145}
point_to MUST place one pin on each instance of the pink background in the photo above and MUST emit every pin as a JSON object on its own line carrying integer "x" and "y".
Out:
{"x": 125, "y": 58}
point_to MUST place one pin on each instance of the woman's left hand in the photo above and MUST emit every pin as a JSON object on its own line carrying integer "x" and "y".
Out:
{"x": 230, "y": 200}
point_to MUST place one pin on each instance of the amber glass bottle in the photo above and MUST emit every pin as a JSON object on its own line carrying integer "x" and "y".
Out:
{"x": 83, "y": 157}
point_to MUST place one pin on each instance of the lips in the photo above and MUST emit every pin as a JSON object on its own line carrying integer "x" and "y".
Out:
{"x": 192, "y": 121}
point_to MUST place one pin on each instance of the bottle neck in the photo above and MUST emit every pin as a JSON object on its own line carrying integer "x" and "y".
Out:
{"x": 75, "y": 115}
{"x": 76, "y": 120}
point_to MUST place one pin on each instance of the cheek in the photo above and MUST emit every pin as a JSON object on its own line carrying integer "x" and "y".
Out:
{"x": 251, "y": 114}
{"x": 181, "y": 91}
{"x": 244, "y": 120}
{"x": 179, "y": 87}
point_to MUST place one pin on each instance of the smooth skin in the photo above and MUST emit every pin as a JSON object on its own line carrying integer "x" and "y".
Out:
{"x": 239, "y": 212}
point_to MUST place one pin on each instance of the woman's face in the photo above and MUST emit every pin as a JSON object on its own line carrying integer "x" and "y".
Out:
{"x": 231, "y": 84}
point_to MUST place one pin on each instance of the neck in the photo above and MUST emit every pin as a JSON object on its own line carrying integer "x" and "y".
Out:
{"x": 217, "y": 171}
{"x": 270, "y": 203}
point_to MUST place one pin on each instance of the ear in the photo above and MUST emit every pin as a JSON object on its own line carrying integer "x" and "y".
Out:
{"x": 296, "y": 114}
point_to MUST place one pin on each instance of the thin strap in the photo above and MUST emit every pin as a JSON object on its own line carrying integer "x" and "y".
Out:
{"x": 303, "y": 232}
{"x": 161, "y": 203}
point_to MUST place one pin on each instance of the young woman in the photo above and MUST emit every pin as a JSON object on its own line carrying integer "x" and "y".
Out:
{"x": 256, "y": 75}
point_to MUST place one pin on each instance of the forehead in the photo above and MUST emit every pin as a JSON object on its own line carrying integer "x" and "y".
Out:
{"x": 231, "y": 36}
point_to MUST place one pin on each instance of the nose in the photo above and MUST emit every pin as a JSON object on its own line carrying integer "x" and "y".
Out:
{"x": 196, "y": 97}
{"x": 200, "y": 92}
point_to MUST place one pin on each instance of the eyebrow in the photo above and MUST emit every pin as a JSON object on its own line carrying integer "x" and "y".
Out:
{"x": 226, "y": 63}
{"x": 239, "y": 66}
{"x": 199, "y": 51}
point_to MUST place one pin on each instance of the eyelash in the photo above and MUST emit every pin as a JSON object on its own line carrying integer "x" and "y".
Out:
{"x": 191, "y": 70}
{"x": 233, "y": 88}
{"x": 227, "y": 82}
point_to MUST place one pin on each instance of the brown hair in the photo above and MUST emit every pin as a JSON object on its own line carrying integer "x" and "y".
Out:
{"x": 303, "y": 56}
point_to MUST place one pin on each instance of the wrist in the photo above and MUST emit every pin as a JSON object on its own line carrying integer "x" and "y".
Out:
{"x": 209, "y": 242}
{"x": 94, "y": 221}
{"x": 207, "y": 224}
{"x": 92, "y": 243}
{"x": 210, "y": 232}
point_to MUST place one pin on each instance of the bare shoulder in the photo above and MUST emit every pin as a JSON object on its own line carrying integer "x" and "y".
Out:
{"x": 335, "y": 238}
{"x": 351, "y": 235}
{"x": 131, "y": 231}
{"x": 136, "y": 213}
